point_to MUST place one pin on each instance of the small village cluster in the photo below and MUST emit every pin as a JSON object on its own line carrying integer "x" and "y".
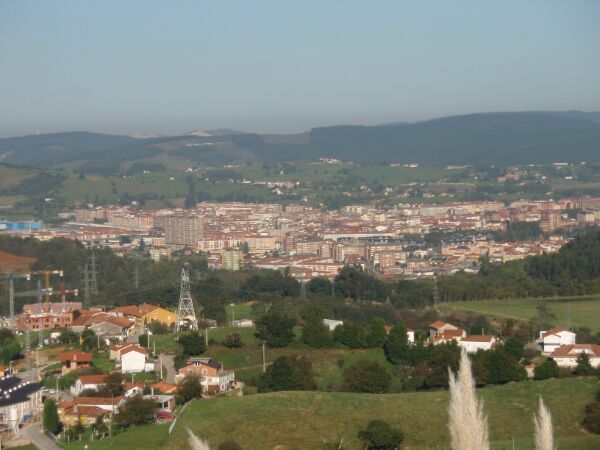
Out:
{"x": 560, "y": 344}
{"x": 117, "y": 330}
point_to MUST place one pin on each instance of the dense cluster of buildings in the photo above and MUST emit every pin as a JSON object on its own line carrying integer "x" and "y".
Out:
{"x": 313, "y": 242}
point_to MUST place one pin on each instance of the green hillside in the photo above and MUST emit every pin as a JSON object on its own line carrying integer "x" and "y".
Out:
{"x": 492, "y": 138}
{"x": 302, "y": 420}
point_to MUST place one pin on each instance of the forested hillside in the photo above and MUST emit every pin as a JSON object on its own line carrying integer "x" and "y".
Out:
{"x": 492, "y": 138}
{"x": 575, "y": 270}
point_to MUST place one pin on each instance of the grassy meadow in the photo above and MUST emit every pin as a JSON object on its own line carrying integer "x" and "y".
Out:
{"x": 302, "y": 420}
{"x": 569, "y": 312}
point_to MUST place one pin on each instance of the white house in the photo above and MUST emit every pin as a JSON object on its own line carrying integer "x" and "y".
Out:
{"x": 332, "y": 324}
{"x": 439, "y": 327}
{"x": 134, "y": 360}
{"x": 242, "y": 323}
{"x": 87, "y": 382}
{"x": 566, "y": 355}
{"x": 478, "y": 342}
{"x": 551, "y": 339}
{"x": 410, "y": 333}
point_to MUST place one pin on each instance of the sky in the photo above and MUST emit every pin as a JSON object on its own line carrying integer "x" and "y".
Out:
{"x": 286, "y": 66}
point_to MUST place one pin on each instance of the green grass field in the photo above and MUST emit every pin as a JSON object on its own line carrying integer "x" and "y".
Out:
{"x": 568, "y": 312}
{"x": 302, "y": 420}
{"x": 143, "y": 437}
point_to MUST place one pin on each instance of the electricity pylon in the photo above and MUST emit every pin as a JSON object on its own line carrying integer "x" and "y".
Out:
{"x": 186, "y": 304}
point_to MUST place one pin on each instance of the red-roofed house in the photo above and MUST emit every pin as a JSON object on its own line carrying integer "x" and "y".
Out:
{"x": 87, "y": 409}
{"x": 439, "y": 327}
{"x": 551, "y": 339}
{"x": 75, "y": 360}
{"x": 87, "y": 382}
{"x": 212, "y": 376}
{"x": 134, "y": 359}
{"x": 478, "y": 342}
{"x": 566, "y": 355}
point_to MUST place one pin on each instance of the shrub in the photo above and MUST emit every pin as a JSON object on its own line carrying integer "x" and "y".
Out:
{"x": 379, "y": 435}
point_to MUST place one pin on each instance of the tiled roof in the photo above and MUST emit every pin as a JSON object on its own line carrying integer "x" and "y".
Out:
{"x": 92, "y": 379}
{"x": 76, "y": 355}
{"x": 479, "y": 338}
{"x": 573, "y": 351}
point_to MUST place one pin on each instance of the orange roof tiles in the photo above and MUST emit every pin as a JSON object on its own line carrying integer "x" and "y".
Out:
{"x": 76, "y": 355}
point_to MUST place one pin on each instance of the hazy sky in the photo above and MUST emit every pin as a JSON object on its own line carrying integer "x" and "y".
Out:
{"x": 273, "y": 66}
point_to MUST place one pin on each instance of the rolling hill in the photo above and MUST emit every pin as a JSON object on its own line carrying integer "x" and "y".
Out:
{"x": 490, "y": 138}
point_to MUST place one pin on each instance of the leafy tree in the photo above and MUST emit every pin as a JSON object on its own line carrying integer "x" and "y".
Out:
{"x": 319, "y": 287}
{"x": 157, "y": 327}
{"x": 189, "y": 388}
{"x": 275, "y": 328}
{"x": 500, "y": 367}
{"x": 112, "y": 386}
{"x": 584, "y": 367}
{"x": 5, "y": 333}
{"x": 288, "y": 373}
{"x": 441, "y": 357}
{"x": 89, "y": 340}
{"x": 379, "y": 435}
{"x": 10, "y": 350}
{"x": 144, "y": 340}
{"x": 350, "y": 334}
{"x": 376, "y": 336}
{"x": 68, "y": 337}
{"x": 547, "y": 369}
{"x": 136, "y": 411}
{"x": 354, "y": 283}
{"x": 591, "y": 422}
{"x": 514, "y": 347}
{"x": 396, "y": 346}
{"x": 192, "y": 343}
{"x": 315, "y": 333}
{"x": 366, "y": 376}
{"x": 233, "y": 340}
{"x": 51, "y": 420}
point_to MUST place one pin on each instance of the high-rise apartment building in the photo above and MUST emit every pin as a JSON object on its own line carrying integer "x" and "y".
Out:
{"x": 183, "y": 231}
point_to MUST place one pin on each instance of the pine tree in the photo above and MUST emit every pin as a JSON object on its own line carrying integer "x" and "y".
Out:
{"x": 51, "y": 420}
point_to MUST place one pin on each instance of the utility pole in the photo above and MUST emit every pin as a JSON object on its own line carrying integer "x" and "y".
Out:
{"x": 86, "y": 287}
{"x": 40, "y": 334}
{"x": 11, "y": 276}
{"x": 94, "y": 272}
{"x": 136, "y": 278}
{"x": 263, "y": 355}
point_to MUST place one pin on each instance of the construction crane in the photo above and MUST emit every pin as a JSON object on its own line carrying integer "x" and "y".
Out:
{"x": 47, "y": 274}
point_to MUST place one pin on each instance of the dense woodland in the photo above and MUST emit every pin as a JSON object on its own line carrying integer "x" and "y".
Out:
{"x": 575, "y": 270}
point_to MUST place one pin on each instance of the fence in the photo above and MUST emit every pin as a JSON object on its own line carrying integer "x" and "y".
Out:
{"x": 177, "y": 417}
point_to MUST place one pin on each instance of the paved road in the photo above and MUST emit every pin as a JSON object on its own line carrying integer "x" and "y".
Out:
{"x": 169, "y": 362}
{"x": 34, "y": 433}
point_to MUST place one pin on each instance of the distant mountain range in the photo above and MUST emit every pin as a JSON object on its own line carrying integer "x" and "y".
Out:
{"x": 488, "y": 138}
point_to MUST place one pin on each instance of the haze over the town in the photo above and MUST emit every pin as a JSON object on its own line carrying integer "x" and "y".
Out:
{"x": 270, "y": 66}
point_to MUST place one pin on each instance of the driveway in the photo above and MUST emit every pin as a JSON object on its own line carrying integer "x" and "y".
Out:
{"x": 169, "y": 362}
{"x": 33, "y": 432}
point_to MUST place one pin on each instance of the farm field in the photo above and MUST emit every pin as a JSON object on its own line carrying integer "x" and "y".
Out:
{"x": 302, "y": 420}
{"x": 574, "y": 312}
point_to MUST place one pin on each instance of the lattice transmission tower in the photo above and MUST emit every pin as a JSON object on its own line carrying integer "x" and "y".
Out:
{"x": 186, "y": 312}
